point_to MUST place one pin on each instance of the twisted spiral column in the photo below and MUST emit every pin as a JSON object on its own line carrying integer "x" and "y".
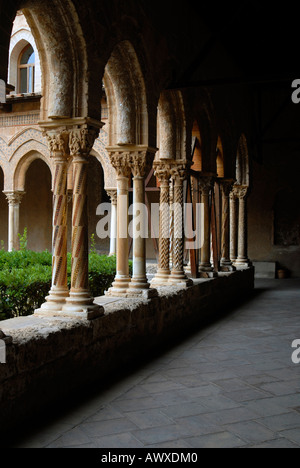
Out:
{"x": 163, "y": 173}
{"x": 58, "y": 146}
{"x": 226, "y": 263}
{"x": 178, "y": 276}
{"x": 80, "y": 302}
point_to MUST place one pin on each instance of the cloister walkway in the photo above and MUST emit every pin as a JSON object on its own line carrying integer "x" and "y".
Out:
{"x": 230, "y": 384}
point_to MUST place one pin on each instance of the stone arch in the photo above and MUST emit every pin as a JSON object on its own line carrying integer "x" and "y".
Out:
{"x": 23, "y": 165}
{"x": 173, "y": 135}
{"x": 62, "y": 49}
{"x": 100, "y": 152}
{"x": 18, "y": 42}
{"x": 242, "y": 162}
{"x": 127, "y": 97}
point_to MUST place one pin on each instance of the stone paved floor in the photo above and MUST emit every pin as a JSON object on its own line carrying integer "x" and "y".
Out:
{"x": 231, "y": 384}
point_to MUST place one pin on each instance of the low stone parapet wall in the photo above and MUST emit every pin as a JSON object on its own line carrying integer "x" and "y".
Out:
{"x": 48, "y": 358}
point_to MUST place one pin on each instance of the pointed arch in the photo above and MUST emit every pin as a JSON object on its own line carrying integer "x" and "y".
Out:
{"x": 127, "y": 97}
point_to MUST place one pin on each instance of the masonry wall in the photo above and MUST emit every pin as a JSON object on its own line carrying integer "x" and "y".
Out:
{"x": 49, "y": 358}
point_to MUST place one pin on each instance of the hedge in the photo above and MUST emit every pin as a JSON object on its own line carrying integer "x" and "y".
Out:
{"x": 25, "y": 279}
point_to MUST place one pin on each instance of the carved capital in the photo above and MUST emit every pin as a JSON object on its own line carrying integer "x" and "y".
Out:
{"x": 58, "y": 143}
{"x": 81, "y": 141}
{"x": 179, "y": 172}
{"x": 240, "y": 191}
{"x": 113, "y": 194}
{"x": 226, "y": 187}
{"x": 206, "y": 184}
{"x": 121, "y": 163}
{"x": 138, "y": 161}
{"x": 162, "y": 171}
{"x": 14, "y": 198}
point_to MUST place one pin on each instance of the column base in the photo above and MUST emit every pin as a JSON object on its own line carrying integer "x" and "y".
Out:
{"x": 227, "y": 267}
{"x": 161, "y": 278}
{"x": 54, "y": 302}
{"x": 81, "y": 305}
{"x": 119, "y": 287}
{"x": 179, "y": 278}
{"x": 208, "y": 274}
{"x": 242, "y": 264}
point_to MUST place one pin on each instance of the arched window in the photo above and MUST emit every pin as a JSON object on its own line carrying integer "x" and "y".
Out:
{"x": 26, "y": 70}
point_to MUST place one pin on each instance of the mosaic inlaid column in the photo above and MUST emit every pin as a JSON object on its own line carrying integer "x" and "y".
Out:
{"x": 226, "y": 263}
{"x": 206, "y": 185}
{"x": 233, "y": 225}
{"x": 121, "y": 163}
{"x": 178, "y": 276}
{"x": 139, "y": 285}
{"x": 163, "y": 173}
{"x": 59, "y": 151}
{"x": 80, "y": 303}
{"x": 14, "y": 200}
{"x": 113, "y": 194}
{"x": 242, "y": 260}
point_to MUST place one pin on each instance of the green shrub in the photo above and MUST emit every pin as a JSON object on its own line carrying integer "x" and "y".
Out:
{"x": 25, "y": 279}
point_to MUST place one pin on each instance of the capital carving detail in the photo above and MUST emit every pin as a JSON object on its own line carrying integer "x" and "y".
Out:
{"x": 113, "y": 194}
{"x": 240, "y": 191}
{"x": 58, "y": 143}
{"x": 14, "y": 198}
{"x": 81, "y": 141}
{"x": 162, "y": 171}
{"x": 121, "y": 163}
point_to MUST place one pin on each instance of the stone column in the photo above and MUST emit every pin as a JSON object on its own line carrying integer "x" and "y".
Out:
{"x": 178, "y": 276}
{"x": 113, "y": 194}
{"x": 14, "y": 199}
{"x": 139, "y": 285}
{"x": 171, "y": 195}
{"x": 163, "y": 173}
{"x": 81, "y": 303}
{"x": 59, "y": 152}
{"x": 226, "y": 263}
{"x": 121, "y": 163}
{"x": 242, "y": 260}
{"x": 233, "y": 226}
{"x": 206, "y": 185}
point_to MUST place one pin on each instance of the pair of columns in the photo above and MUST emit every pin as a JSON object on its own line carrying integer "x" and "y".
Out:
{"x": 171, "y": 229}
{"x": 70, "y": 144}
{"x": 238, "y": 226}
{"x": 127, "y": 161}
